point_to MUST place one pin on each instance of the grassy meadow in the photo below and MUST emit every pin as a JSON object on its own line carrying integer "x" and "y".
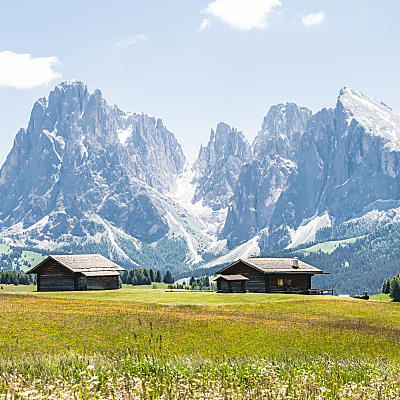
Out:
{"x": 154, "y": 343}
{"x": 328, "y": 247}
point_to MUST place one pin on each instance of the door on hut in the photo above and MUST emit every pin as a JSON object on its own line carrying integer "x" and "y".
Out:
{"x": 82, "y": 283}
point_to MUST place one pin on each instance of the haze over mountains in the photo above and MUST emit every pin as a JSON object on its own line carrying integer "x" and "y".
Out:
{"x": 87, "y": 176}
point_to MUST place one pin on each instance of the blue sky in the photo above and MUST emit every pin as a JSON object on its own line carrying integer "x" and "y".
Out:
{"x": 195, "y": 63}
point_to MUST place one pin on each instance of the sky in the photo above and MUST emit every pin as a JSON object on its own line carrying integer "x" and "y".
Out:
{"x": 195, "y": 63}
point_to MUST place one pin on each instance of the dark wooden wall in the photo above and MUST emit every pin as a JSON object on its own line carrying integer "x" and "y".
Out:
{"x": 102, "y": 282}
{"x": 263, "y": 283}
{"x": 291, "y": 282}
{"x": 257, "y": 280}
{"x": 54, "y": 277}
{"x": 224, "y": 286}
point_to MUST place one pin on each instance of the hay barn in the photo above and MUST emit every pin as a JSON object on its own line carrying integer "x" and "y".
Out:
{"x": 76, "y": 272}
{"x": 267, "y": 275}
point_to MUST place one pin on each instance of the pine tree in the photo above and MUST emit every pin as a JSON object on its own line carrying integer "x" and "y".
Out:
{"x": 384, "y": 286}
{"x": 395, "y": 289}
{"x": 146, "y": 274}
{"x": 388, "y": 286}
{"x": 152, "y": 275}
{"x": 168, "y": 277}
{"x": 192, "y": 280}
{"x": 158, "y": 276}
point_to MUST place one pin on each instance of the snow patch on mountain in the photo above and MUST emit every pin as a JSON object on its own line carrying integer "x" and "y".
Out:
{"x": 124, "y": 134}
{"x": 194, "y": 256}
{"x": 111, "y": 238}
{"x": 245, "y": 250}
{"x": 376, "y": 117}
{"x": 307, "y": 230}
{"x": 183, "y": 194}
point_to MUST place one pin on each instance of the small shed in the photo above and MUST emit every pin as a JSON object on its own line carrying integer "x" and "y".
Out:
{"x": 266, "y": 275}
{"x": 76, "y": 272}
{"x": 232, "y": 283}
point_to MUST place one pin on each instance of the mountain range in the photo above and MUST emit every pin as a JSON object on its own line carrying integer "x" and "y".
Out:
{"x": 86, "y": 176}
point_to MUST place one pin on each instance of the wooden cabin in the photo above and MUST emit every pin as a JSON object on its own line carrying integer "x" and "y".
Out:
{"x": 267, "y": 275}
{"x": 232, "y": 283}
{"x": 76, "y": 272}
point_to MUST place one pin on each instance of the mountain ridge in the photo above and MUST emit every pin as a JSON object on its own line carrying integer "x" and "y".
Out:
{"x": 118, "y": 182}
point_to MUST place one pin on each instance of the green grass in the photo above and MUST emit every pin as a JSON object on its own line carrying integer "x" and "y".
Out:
{"x": 28, "y": 289}
{"x": 267, "y": 325}
{"x": 327, "y": 247}
{"x": 148, "y": 343}
{"x": 146, "y": 294}
{"x": 381, "y": 297}
{"x": 134, "y": 376}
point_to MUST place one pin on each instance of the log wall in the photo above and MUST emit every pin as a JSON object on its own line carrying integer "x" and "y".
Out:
{"x": 291, "y": 282}
{"x": 102, "y": 282}
{"x": 55, "y": 277}
{"x": 224, "y": 286}
{"x": 257, "y": 280}
{"x": 263, "y": 283}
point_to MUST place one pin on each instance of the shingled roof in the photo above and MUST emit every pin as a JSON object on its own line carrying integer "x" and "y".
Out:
{"x": 237, "y": 277}
{"x": 277, "y": 265}
{"x": 87, "y": 264}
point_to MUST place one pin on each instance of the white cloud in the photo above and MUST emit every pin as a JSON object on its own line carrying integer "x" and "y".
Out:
{"x": 22, "y": 71}
{"x": 313, "y": 19}
{"x": 206, "y": 23}
{"x": 243, "y": 14}
{"x": 130, "y": 41}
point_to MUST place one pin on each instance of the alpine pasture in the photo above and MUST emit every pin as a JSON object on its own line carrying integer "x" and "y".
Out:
{"x": 153, "y": 343}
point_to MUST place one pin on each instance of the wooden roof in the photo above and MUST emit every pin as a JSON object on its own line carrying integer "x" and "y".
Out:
{"x": 237, "y": 277}
{"x": 276, "y": 265}
{"x": 87, "y": 264}
{"x": 100, "y": 273}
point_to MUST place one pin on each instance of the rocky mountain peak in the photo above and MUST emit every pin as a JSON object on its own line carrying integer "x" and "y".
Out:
{"x": 280, "y": 129}
{"x": 218, "y": 165}
{"x": 377, "y": 118}
{"x": 84, "y": 173}
{"x": 67, "y": 98}
{"x": 77, "y": 170}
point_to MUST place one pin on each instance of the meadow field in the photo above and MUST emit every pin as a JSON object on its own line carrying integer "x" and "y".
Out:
{"x": 328, "y": 247}
{"x": 153, "y": 343}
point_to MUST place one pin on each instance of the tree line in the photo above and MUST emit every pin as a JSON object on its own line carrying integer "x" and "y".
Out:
{"x": 16, "y": 278}
{"x": 202, "y": 283}
{"x": 145, "y": 276}
{"x": 392, "y": 287}
{"x": 355, "y": 267}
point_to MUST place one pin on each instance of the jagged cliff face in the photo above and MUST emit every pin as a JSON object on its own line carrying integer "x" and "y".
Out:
{"x": 79, "y": 159}
{"x": 218, "y": 166}
{"x": 331, "y": 167}
{"x": 86, "y": 173}
{"x": 262, "y": 182}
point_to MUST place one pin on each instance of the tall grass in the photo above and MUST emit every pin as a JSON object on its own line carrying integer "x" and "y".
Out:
{"x": 135, "y": 376}
{"x": 83, "y": 349}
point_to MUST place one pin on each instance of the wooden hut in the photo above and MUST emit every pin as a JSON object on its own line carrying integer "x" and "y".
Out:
{"x": 266, "y": 275}
{"x": 76, "y": 272}
{"x": 232, "y": 283}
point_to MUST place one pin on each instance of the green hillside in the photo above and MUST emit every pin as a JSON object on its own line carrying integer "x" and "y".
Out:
{"x": 355, "y": 264}
{"x": 327, "y": 247}
{"x": 18, "y": 259}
